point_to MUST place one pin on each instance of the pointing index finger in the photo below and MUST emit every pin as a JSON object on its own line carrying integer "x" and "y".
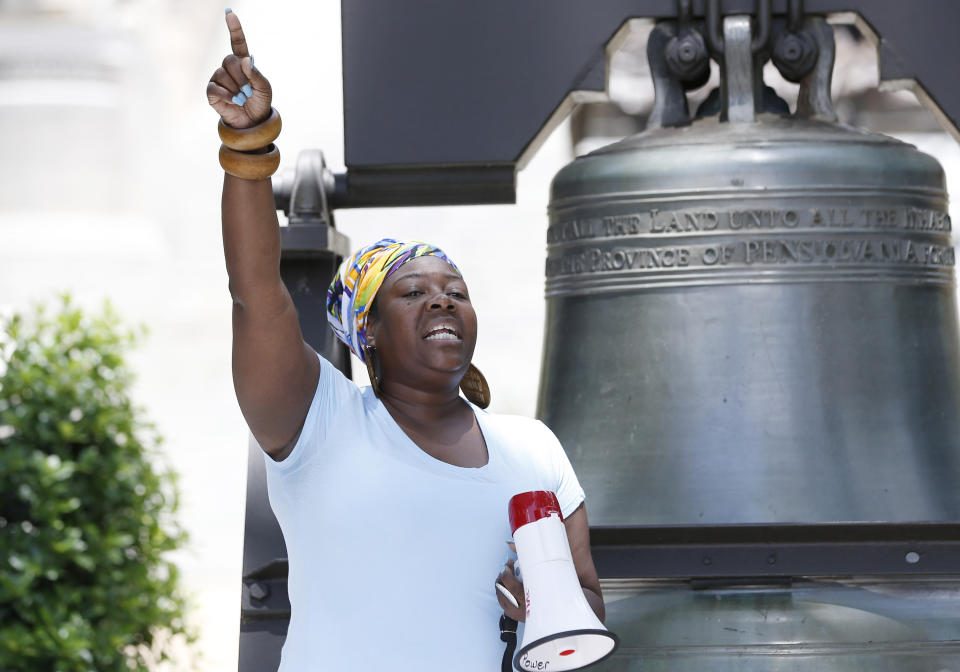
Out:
{"x": 238, "y": 42}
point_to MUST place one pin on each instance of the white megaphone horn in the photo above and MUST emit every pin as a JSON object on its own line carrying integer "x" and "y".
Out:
{"x": 561, "y": 631}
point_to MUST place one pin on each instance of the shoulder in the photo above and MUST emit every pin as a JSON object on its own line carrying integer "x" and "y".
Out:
{"x": 523, "y": 435}
{"x": 338, "y": 406}
{"x": 517, "y": 423}
{"x": 335, "y": 389}
{"x": 532, "y": 452}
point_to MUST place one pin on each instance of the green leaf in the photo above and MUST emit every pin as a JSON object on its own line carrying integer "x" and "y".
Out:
{"x": 86, "y": 513}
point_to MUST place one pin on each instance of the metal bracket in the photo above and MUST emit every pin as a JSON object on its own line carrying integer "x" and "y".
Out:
{"x": 738, "y": 90}
{"x": 304, "y": 197}
{"x": 670, "y": 102}
{"x": 716, "y": 36}
{"x": 814, "y": 100}
{"x": 265, "y": 593}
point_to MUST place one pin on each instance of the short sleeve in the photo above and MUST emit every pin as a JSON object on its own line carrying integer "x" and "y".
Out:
{"x": 568, "y": 490}
{"x": 336, "y": 399}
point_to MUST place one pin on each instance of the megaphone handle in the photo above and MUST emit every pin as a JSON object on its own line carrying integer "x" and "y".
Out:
{"x": 507, "y": 594}
{"x": 508, "y": 634}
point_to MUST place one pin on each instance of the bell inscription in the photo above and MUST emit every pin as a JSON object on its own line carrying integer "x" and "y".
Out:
{"x": 655, "y": 221}
{"x": 689, "y": 246}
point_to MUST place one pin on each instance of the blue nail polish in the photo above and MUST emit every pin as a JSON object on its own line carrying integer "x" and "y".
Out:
{"x": 227, "y": 10}
{"x": 251, "y": 61}
{"x": 247, "y": 90}
{"x": 239, "y": 99}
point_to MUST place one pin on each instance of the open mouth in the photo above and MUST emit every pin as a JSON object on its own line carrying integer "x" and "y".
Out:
{"x": 443, "y": 333}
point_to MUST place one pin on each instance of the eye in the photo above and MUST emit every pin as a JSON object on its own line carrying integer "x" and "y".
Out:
{"x": 457, "y": 294}
{"x": 413, "y": 293}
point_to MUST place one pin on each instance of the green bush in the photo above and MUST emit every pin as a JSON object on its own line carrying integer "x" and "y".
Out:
{"x": 86, "y": 516}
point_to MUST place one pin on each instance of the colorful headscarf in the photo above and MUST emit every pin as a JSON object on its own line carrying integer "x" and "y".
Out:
{"x": 359, "y": 279}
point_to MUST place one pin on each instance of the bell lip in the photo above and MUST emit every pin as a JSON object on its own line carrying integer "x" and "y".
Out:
{"x": 568, "y": 633}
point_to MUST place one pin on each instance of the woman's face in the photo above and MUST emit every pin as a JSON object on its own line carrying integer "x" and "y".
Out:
{"x": 425, "y": 328}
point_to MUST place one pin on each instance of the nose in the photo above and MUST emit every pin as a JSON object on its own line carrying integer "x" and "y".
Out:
{"x": 441, "y": 302}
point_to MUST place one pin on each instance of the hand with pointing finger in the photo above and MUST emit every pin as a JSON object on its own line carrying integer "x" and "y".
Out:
{"x": 237, "y": 91}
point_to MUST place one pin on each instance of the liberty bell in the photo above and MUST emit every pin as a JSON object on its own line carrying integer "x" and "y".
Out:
{"x": 751, "y": 321}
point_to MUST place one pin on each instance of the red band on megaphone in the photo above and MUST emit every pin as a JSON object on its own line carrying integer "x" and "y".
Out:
{"x": 528, "y": 507}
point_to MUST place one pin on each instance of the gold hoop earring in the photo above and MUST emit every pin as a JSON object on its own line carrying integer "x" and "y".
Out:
{"x": 475, "y": 387}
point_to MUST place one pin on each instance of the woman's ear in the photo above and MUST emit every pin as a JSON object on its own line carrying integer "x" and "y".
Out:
{"x": 370, "y": 330}
{"x": 373, "y": 319}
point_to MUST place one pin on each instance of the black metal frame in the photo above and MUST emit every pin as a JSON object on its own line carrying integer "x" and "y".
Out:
{"x": 747, "y": 551}
{"x": 443, "y": 99}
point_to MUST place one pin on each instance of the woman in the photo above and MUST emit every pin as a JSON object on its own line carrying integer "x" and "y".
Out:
{"x": 392, "y": 499}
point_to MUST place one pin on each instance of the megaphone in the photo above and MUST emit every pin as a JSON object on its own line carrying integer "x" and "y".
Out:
{"x": 561, "y": 631}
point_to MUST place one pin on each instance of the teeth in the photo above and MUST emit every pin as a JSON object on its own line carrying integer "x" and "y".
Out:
{"x": 442, "y": 334}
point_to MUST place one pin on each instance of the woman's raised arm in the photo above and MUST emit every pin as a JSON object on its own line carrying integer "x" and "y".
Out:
{"x": 275, "y": 372}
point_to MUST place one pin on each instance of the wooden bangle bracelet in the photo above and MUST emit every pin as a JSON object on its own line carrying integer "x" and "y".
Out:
{"x": 250, "y": 166}
{"x": 255, "y": 137}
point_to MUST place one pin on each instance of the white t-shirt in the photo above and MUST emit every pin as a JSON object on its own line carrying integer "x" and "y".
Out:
{"x": 392, "y": 553}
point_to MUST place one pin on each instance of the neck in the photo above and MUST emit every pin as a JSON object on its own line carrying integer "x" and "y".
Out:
{"x": 422, "y": 406}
